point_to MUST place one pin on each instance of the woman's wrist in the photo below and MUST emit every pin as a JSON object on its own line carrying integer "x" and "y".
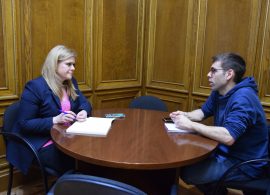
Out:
{"x": 55, "y": 120}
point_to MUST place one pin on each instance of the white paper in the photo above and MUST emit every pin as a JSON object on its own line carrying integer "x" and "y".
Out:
{"x": 94, "y": 126}
{"x": 172, "y": 128}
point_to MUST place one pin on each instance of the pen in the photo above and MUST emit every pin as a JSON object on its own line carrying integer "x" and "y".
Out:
{"x": 62, "y": 111}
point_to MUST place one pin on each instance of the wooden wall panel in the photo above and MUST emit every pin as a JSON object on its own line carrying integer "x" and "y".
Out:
{"x": 264, "y": 76}
{"x": 173, "y": 100}
{"x": 225, "y": 26}
{"x": 2, "y": 62}
{"x": 116, "y": 99}
{"x": 48, "y": 23}
{"x": 168, "y": 44}
{"x": 119, "y": 46}
{"x": 7, "y": 53}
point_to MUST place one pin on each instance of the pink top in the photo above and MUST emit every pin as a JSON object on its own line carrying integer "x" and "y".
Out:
{"x": 65, "y": 106}
{"x": 65, "y": 103}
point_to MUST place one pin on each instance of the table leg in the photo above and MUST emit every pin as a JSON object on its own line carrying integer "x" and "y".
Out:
{"x": 153, "y": 182}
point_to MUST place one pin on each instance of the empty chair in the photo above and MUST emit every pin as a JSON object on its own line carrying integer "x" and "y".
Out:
{"x": 259, "y": 186}
{"x": 148, "y": 102}
{"x": 17, "y": 139}
{"x": 73, "y": 184}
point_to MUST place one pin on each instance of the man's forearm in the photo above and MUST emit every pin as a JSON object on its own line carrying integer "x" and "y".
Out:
{"x": 219, "y": 134}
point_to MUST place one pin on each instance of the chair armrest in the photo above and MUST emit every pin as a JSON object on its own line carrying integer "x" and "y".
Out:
{"x": 20, "y": 139}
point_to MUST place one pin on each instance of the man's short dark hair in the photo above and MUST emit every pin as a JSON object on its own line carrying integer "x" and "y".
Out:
{"x": 232, "y": 61}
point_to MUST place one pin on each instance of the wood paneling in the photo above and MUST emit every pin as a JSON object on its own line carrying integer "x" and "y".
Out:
{"x": 116, "y": 99}
{"x": 47, "y": 23}
{"x": 264, "y": 73}
{"x": 119, "y": 46}
{"x": 168, "y": 44}
{"x": 7, "y": 53}
{"x": 225, "y": 26}
{"x": 2, "y": 62}
{"x": 174, "y": 101}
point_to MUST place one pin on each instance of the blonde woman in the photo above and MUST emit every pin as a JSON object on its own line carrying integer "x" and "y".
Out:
{"x": 53, "y": 98}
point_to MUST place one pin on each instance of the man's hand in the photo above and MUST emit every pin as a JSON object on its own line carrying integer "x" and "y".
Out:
{"x": 177, "y": 113}
{"x": 195, "y": 115}
{"x": 182, "y": 122}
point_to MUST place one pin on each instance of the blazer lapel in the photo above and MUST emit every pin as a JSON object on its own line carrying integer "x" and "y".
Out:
{"x": 56, "y": 99}
{"x": 50, "y": 92}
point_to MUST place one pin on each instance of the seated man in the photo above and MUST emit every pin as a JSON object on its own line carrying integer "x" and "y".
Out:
{"x": 240, "y": 125}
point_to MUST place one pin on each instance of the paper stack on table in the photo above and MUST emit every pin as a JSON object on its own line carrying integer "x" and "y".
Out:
{"x": 93, "y": 126}
{"x": 172, "y": 128}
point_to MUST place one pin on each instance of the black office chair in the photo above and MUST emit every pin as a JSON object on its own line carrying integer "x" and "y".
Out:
{"x": 73, "y": 184}
{"x": 260, "y": 186}
{"x": 148, "y": 102}
{"x": 9, "y": 119}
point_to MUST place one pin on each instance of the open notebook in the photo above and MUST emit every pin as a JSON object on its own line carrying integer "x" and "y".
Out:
{"x": 93, "y": 126}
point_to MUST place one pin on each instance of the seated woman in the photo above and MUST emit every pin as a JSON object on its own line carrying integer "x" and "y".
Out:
{"x": 53, "y": 98}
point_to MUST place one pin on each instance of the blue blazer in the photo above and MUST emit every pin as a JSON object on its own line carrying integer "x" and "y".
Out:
{"x": 38, "y": 106}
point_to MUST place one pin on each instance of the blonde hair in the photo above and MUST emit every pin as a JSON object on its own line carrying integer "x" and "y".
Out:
{"x": 49, "y": 71}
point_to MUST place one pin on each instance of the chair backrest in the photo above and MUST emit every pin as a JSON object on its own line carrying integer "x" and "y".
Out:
{"x": 73, "y": 184}
{"x": 148, "y": 102}
{"x": 10, "y": 116}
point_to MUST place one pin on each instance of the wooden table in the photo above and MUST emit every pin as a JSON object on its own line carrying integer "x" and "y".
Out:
{"x": 137, "y": 150}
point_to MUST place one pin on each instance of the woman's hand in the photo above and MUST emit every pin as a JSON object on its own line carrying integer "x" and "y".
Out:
{"x": 81, "y": 116}
{"x": 64, "y": 117}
